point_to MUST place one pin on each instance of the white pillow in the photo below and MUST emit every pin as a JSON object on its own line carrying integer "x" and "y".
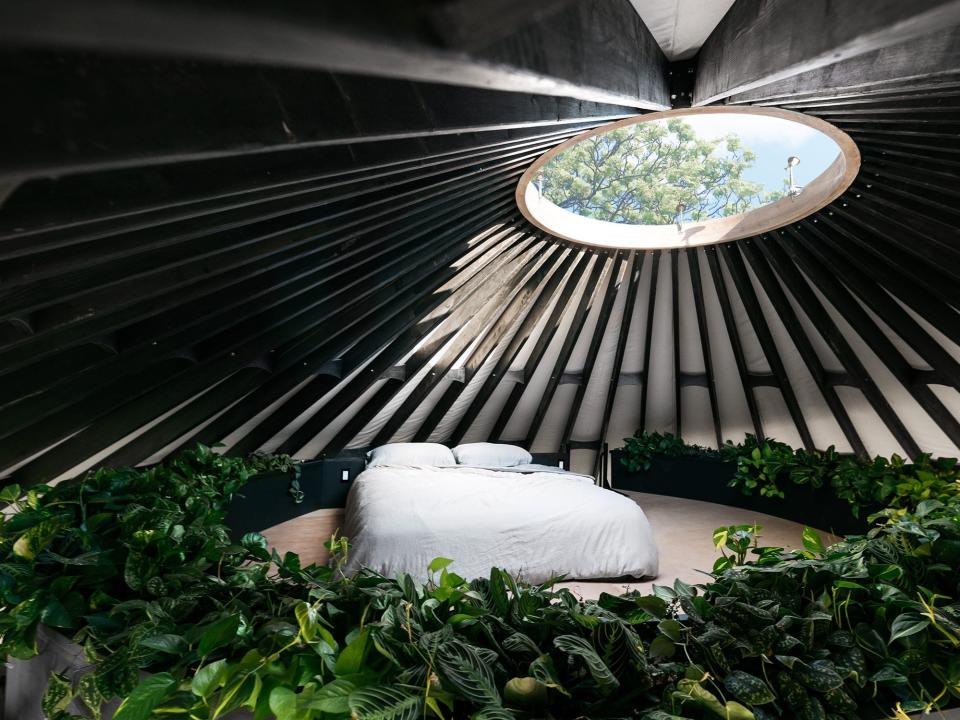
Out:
{"x": 491, "y": 455}
{"x": 411, "y": 454}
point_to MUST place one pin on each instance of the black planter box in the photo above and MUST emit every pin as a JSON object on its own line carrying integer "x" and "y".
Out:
{"x": 706, "y": 479}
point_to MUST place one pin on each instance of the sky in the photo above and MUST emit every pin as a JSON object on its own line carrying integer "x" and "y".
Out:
{"x": 773, "y": 140}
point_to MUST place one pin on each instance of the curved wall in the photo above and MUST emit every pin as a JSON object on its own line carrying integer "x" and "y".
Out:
{"x": 267, "y": 258}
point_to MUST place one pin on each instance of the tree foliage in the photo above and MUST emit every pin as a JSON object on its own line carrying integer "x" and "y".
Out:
{"x": 640, "y": 174}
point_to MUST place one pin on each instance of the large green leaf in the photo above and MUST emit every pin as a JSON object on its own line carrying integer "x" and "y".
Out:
{"x": 351, "y": 659}
{"x": 748, "y": 688}
{"x": 465, "y": 671}
{"x": 57, "y": 697}
{"x": 907, "y": 624}
{"x": 208, "y": 678}
{"x": 819, "y": 675}
{"x": 218, "y": 634}
{"x": 146, "y": 696}
{"x": 385, "y": 702}
{"x": 573, "y": 645}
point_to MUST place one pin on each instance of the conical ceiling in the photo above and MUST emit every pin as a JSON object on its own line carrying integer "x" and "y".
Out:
{"x": 300, "y": 261}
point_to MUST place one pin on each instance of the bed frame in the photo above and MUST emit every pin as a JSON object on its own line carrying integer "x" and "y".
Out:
{"x": 325, "y": 481}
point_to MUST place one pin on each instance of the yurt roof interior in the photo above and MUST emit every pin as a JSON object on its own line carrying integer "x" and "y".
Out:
{"x": 480, "y": 359}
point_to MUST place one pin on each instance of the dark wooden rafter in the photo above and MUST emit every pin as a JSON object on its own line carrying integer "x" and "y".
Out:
{"x": 408, "y": 323}
{"x": 490, "y": 324}
{"x": 519, "y": 340}
{"x": 825, "y": 278}
{"x": 855, "y": 373}
{"x": 922, "y": 295}
{"x": 736, "y": 346}
{"x": 752, "y": 47}
{"x": 23, "y": 229}
{"x": 590, "y": 295}
{"x": 877, "y": 73}
{"x": 920, "y": 263}
{"x": 199, "y": 325}
{"x": 648, "y": 335}
{"x": 748, "y": 296}
{"x": 253, "y": 280}
{"x": 621, "y": 61}
{"x": 696, "y": 283}
{"x": 329, "y": 295}
{"x": 634, "y": 268}
{"x": 192, "y": 382}
{"x": 234, "y": 245}
{"x": 473, "y": 297}
{"x": 778, "y": 299}
{"x": 387, "y": 296}
{"x": 675, "y": 332}
{"x": 480, "y": 354}
{"x": 606, "y": 309}
{"x": 885, "y": 307}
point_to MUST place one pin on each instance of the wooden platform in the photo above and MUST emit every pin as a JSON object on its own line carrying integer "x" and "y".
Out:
{"x": 683, "y": 530}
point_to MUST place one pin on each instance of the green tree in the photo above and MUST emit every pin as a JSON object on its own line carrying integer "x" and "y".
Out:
{"x": 640, "y": 174}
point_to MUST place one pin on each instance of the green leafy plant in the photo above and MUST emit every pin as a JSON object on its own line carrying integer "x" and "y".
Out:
{"x": 737, "y": 539}
{"x": 639, "y": 450}
{"x": 767, "y": 467}
{"x": 178, "y": 620}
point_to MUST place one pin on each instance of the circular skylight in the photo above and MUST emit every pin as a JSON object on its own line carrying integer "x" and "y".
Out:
{"x": 688, "y": 177}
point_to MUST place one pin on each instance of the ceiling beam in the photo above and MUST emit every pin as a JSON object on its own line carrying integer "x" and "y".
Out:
{"x": 591, "y": 293}
{"x": 693, "y": 266}
{"x": 634, "y": 269}
{"x": 762, "y": 42}
{"x": 888, "y": 66}
{"x": 606, "y": 309}
{"x": 595, "y": 50}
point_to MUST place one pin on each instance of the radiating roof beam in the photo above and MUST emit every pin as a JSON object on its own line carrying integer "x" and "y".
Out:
{"x": 760, "y": 42}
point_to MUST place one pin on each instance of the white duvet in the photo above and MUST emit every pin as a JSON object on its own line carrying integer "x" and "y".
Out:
{"x": 534, "y": 524}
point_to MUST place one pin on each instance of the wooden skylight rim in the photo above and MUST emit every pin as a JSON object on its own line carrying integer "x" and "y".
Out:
{"x": 818, "y": 193}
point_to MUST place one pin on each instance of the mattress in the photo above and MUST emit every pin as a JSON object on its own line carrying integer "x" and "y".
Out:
{"x": 535, "y": 522}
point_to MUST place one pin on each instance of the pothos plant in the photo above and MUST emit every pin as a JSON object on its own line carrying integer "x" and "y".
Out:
{"x": 178, "y": 621}
{"x": 640, "y": 449}
{"x": 768, "y": 467}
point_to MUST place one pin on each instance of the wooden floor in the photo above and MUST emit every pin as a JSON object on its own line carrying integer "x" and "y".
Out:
{"x": 683, "y": 530}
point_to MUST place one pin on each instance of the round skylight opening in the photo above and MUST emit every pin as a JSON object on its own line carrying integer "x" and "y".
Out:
{"x": 688, "y": 177}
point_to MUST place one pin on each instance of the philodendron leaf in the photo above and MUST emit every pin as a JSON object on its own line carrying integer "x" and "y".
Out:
{"x": 57, "y": 696}
{"x": 219, "y": 634}
{"x": 438, "y": 564}
{"x": 820, "y": 675}
{"x": 10, "y": 493}
{"x": 173, "y": 644}
{"x": 351, "y": 659}
{"x": 577, "y": 646}
{"x": 670, "y": 628}
{"x": 906, "y": 624}
{"x": 812, "y": 542}
{"x": 748, "y": 688}
{"x": 208, "y": 678}
{"x": 146, "y": 696}
{"x": 662, "y": 646}
{"x": 283, "y": 703}
{"x": 385, "y": 702}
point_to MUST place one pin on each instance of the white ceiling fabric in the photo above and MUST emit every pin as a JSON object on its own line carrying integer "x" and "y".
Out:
{"x": 681, "y": 26}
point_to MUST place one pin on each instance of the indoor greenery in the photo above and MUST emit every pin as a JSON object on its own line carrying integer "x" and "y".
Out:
{"x": 767, "y": 467}
{"x": 137, "y": 567}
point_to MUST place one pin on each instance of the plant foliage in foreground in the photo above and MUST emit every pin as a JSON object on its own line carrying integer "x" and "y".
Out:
{"x": 137, "y": 567}
{"x": 765, "y": 465}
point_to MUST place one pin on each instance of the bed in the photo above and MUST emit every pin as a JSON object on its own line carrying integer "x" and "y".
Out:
{"x": 534, "y": 521}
